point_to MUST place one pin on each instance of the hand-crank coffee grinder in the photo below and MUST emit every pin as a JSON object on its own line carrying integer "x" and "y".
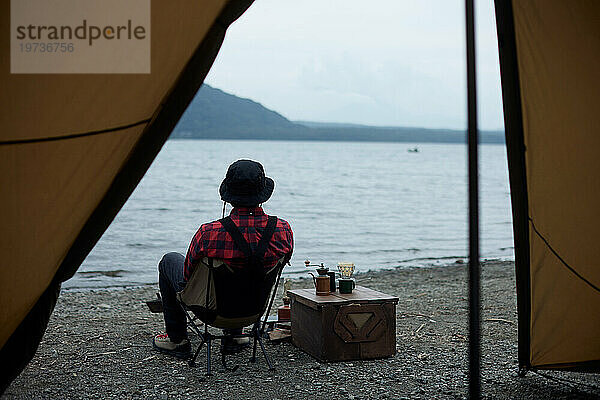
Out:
{"x": 322, "y": 280}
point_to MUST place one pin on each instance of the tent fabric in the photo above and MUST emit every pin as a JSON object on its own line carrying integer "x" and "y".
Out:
{"x": 73, "y": 147}
{"x": 53, "y": 188}
{"x": 557, "y": 59}
{"x": 23, "y": 343}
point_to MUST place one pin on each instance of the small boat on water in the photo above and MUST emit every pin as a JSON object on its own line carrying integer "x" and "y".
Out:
{"x": 413, "y": 150}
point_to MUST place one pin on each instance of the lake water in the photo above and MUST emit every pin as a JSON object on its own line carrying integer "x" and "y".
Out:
{"x": 374, "y": 204}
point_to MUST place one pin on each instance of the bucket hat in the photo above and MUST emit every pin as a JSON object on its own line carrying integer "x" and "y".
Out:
{"x": 246, "y": 184}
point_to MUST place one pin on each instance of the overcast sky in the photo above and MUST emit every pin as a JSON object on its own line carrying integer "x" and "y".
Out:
{"x": 378, "y": 62}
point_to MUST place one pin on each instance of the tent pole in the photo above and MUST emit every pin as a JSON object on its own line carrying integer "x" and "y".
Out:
{"x": 474, "y": 268}
{"x": 515, "y": 151}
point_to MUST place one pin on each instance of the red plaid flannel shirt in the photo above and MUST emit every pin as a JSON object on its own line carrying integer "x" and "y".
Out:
{"x": 212, "y": 240}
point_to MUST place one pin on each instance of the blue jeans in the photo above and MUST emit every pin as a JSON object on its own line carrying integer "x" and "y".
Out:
{"x": 171, "y": 281}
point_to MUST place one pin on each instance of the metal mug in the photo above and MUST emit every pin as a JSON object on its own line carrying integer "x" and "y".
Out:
{"x": 346, "y": 285}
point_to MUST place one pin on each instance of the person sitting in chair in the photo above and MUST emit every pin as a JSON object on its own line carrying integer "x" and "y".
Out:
{"x": 245, "y": 187}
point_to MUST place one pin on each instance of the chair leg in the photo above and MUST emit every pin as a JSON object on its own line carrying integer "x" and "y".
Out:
{"x": 208, "y": 345}
{"x": 262, "y": 347}
{"x": 192, "y": 362}
{"x": 207, "y": 338}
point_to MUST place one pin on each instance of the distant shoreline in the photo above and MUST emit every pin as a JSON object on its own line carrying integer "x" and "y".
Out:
{"x": 273, "y": 139}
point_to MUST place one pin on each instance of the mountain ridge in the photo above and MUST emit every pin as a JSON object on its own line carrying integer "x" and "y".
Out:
{"x": 215, "y": 114}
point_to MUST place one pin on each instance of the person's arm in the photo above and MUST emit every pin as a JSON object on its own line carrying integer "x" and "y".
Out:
{"x": 290, "y": 239}
{"x": 195, "y": 253}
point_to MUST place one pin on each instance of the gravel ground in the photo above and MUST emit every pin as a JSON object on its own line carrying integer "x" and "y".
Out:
{"x": 98, "y": 345}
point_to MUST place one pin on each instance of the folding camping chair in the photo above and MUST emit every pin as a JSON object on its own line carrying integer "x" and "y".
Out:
{"x": 224, "y": 298}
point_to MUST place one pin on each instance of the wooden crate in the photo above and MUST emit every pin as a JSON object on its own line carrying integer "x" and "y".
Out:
{"x": 355, "y": 326}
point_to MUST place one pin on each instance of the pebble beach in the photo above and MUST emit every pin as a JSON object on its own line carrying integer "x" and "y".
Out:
{"x": 98, "y": 345}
